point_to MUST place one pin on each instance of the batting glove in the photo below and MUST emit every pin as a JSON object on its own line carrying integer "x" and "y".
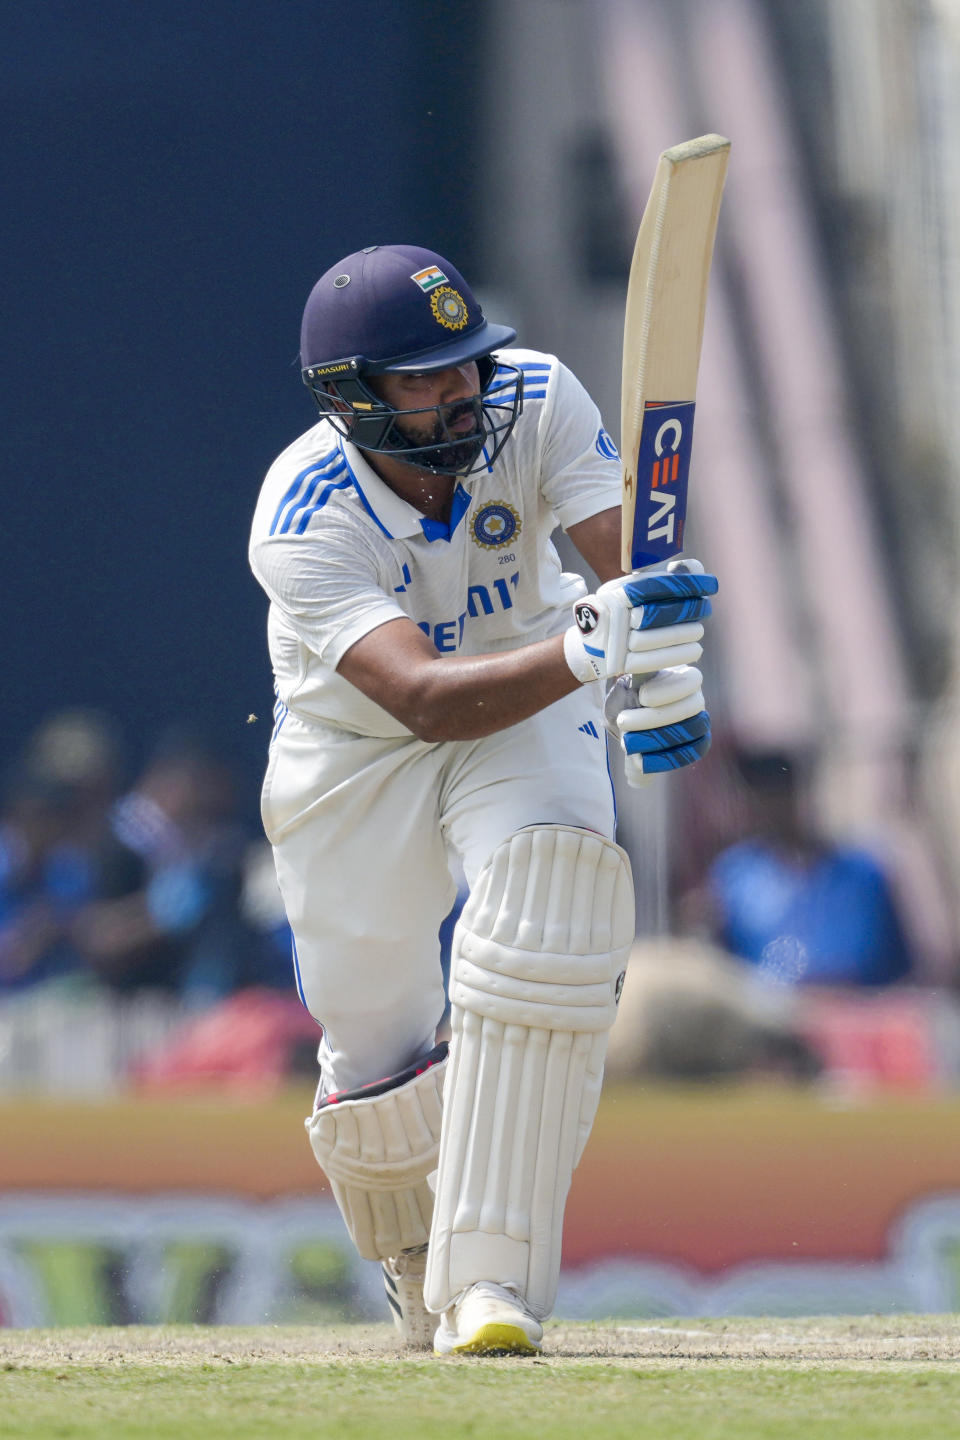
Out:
{"x": 640, "y": 624}
{"x": 663, "y": 723}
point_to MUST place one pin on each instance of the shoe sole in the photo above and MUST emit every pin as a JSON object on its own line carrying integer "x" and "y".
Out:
{"x": 495, "y": 1339}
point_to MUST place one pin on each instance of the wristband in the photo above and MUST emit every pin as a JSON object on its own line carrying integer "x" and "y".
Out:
{"x": 574, "y": 652}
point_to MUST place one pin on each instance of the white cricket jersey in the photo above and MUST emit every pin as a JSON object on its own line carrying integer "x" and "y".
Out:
{"x": 339, "y": 553}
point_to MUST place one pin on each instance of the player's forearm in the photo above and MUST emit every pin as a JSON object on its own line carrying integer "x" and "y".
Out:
{"x": 465, "y": 698}
{"x": 440, "y": 697}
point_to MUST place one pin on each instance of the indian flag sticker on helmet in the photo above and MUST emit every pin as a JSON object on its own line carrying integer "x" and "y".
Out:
{"x": 428, "y": 279}
{"x": 449, "y": 308}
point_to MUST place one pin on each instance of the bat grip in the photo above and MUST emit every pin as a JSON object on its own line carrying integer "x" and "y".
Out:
{"x": 677, "y": 566}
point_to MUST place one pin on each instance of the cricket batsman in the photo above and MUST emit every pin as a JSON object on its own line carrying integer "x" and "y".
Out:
{"x": 441, "y": 686}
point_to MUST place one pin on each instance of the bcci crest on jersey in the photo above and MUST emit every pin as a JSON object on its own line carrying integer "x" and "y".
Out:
{"x": 495, "y": 525}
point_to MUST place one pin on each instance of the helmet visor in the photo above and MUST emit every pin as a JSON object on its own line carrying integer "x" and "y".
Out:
{"x": 473, "y": 346}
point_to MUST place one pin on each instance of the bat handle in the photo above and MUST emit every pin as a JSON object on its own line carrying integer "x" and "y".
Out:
{"x": 677, "y": 565}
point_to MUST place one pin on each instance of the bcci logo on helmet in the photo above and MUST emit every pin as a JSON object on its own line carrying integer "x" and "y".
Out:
{"x": 449, "y": 308}
{"x": 586, "y": 617}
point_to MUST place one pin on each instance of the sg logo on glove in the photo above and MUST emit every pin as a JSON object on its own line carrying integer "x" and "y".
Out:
{"x": 586, "y": 617}
{"x": 639, "y": 624}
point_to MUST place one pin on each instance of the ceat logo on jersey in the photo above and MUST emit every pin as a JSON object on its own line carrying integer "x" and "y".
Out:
{"x": 586, "y": 617}
{"x": 495, "y": 525}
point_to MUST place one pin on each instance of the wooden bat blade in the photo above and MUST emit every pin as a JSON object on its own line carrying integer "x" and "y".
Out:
{"x": 662, "y": 334}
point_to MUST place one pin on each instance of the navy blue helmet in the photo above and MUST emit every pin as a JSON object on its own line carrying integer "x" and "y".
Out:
{"x": 400, "y": 309}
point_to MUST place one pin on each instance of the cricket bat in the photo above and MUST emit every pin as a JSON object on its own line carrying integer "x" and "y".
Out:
{"x": 662, "y": 333}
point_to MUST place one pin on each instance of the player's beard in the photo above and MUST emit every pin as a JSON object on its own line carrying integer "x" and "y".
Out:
{"x": 439, "y": 450}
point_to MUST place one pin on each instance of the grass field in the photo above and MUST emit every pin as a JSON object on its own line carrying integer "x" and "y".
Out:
{"x": 687, "y": 1380}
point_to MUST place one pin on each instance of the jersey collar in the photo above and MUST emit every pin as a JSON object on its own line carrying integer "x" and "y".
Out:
{"x": 397, "y": 518}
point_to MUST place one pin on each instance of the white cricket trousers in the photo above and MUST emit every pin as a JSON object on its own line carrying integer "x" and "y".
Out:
{"x": 361, "y": 829}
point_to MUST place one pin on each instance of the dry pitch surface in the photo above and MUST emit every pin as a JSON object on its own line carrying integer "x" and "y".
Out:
{"x": 840, "y": 1379}
{"x": 864, "y": 1342}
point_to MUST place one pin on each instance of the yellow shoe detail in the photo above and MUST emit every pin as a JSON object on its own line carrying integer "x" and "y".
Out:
{"x": 494, "y": 1339}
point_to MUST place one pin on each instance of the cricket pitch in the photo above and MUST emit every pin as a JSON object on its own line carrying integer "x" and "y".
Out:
{"x": 859, "y": 1378}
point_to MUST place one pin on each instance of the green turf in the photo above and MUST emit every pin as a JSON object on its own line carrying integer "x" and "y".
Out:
{"x": 210, "y": 1398}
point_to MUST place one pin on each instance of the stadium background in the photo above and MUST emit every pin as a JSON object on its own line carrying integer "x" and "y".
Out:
{"x": 175, "y": 181}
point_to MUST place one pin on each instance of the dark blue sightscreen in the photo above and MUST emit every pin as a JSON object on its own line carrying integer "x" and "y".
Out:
{"x": 175, "y": 177}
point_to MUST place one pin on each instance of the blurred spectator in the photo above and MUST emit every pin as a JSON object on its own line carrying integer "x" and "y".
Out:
{"x": 56, "y": 850}
{"x": 43, "y": 880}
{"x": 181, "y": 929}
{"x": 155, "y": 888}
{"x": 800, "y": 907}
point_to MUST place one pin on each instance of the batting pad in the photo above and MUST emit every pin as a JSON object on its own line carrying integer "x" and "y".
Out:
{"x": 537, "y": 955}
{"x": 377, "y": 1145}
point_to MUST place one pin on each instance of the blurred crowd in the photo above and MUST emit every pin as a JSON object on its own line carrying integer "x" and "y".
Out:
{"x": 119, "y": 887}
{"x": 794, "y": 950}
{"x": 760, "y": 871}
{"x": 122, "y": 885}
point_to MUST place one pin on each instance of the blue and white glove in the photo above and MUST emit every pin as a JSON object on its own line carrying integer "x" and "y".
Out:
{"x": 648, "y": 625}
{"x": 663, "y": 723}
{"x": 640, "y": 624}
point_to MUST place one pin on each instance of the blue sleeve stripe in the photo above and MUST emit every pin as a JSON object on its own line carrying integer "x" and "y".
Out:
{"x": 306, "y": 501}
{"x": 308, "y": 515}
{"x": 304, "y": 477}
{"x": 304, "y": 485}
{"x": 532, "y": 390}
{"x": 292, "y": 491}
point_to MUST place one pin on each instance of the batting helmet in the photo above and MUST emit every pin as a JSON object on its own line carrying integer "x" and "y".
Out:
{"x": 393, "y": 309}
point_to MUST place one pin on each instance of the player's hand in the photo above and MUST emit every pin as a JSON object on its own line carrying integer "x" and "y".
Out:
{"x": 663, "y": 722}
{"x": 640, "y": 624}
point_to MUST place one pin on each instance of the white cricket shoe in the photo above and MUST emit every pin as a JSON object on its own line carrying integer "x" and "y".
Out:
{"x": 403, "y": 1282}
{"x": 488, "y": 1319}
